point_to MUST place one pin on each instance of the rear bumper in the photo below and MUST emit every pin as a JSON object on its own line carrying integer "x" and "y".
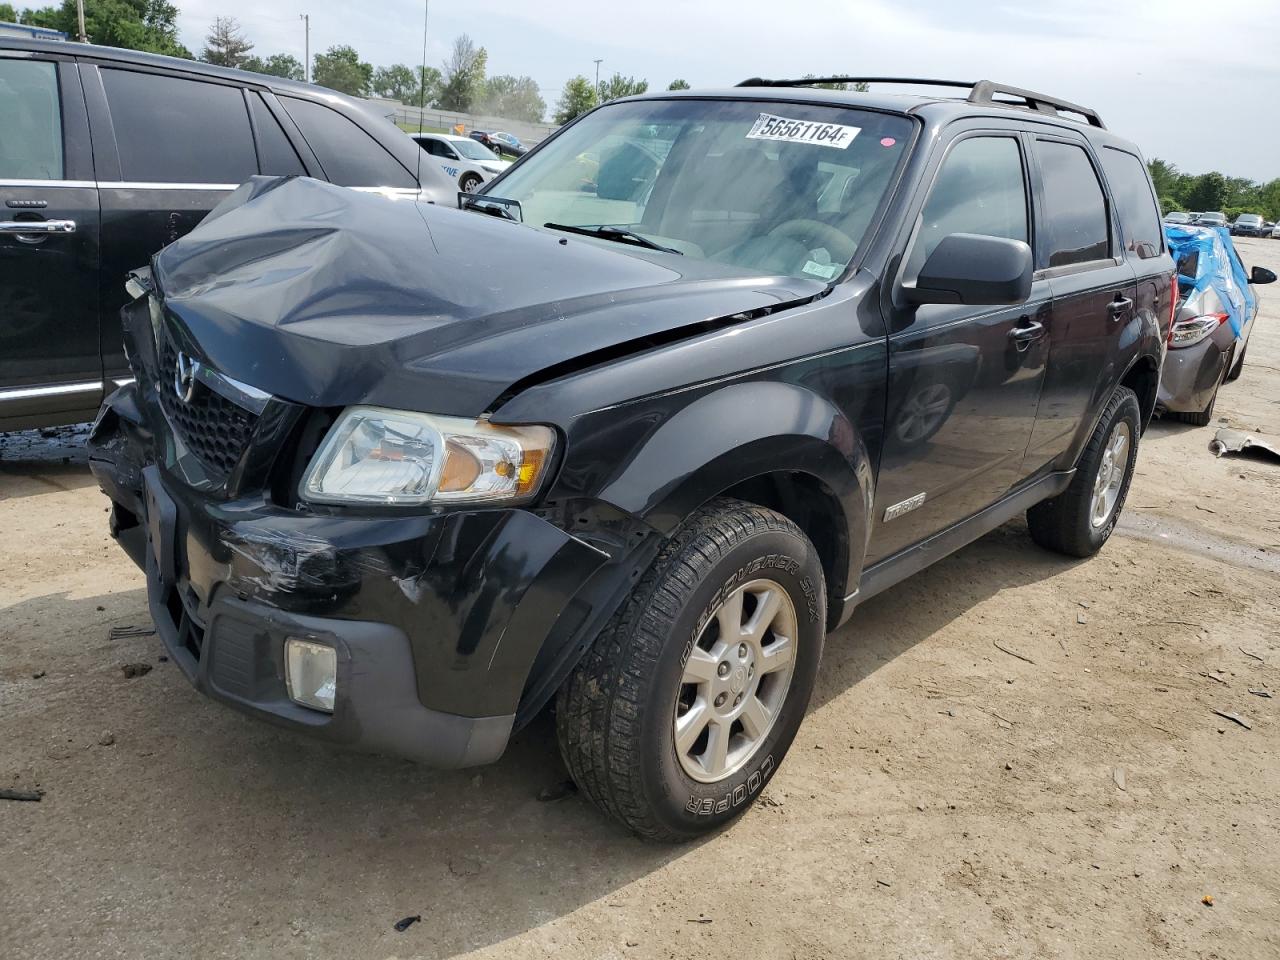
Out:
{"x": 436, "y": 618}
{"x": 1190, "y": 376}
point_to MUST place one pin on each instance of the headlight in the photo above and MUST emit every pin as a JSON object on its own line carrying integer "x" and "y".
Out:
{"x": 1186, "y": 333}
{"x": 397, "y": 457}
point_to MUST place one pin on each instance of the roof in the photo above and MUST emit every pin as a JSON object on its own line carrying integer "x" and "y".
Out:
{"x": 140, "y": 58}
{"x": 9, "y": 29}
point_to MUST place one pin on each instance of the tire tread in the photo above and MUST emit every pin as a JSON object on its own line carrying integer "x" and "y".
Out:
{"x": 600, "y": 707}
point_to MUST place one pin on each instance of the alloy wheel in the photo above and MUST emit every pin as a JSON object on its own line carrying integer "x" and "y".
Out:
{"x": 735, "y": 681}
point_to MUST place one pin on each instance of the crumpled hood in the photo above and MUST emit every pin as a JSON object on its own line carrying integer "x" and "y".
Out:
{"x": 328, "y": 297}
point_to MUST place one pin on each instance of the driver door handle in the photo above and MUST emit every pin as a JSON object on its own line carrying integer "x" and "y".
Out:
{"x": 37, "y": 226}
{"x": 1026, "y": 331}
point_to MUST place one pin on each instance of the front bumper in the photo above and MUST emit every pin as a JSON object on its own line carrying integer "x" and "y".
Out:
{"x": 437, "y": 618}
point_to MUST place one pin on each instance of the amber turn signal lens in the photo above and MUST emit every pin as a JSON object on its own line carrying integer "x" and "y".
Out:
{"x": 461, "y": 468}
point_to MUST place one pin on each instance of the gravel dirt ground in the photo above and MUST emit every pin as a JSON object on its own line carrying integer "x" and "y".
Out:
{"x": 944, "y": 798}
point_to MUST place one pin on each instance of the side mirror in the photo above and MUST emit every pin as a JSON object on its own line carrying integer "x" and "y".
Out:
{"x": 1261, "y": 275}
{"x": 972, "y": 269}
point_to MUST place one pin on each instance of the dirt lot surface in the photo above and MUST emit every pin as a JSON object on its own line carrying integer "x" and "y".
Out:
{"x": 944, "y": 798}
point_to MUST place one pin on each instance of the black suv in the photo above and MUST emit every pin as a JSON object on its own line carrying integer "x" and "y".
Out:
{"x": 637, "y": 426}
{"x": 107, "y": 155}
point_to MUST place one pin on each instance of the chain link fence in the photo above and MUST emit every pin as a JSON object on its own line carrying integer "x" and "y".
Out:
{"x": 408, "y": 116}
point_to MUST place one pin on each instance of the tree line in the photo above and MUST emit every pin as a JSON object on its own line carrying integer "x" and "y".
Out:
{"x": 460, "y": 84}
{"x": 1213, "y": 191}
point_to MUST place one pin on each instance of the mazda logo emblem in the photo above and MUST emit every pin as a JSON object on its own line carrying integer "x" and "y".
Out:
{"x": 184, "y": 377}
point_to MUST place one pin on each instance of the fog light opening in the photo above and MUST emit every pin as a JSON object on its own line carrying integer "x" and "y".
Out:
{"x": 311, "y": 673}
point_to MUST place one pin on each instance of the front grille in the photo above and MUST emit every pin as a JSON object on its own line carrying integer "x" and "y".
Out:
{"x": 212, "y": 427}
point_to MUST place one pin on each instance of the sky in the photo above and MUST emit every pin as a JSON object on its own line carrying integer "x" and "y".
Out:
{"x": 1200, "y": 90}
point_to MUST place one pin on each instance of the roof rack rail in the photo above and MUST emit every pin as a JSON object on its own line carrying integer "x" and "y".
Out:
{"x": 982, "y": 92}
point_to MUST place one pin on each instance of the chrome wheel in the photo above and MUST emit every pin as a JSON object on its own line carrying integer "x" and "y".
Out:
{"x": 1111, "y": 473}
{"x": 923, "y": 412}
{"x": 735, "y": 681}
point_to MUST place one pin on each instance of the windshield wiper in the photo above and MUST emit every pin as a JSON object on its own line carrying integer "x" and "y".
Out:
{"x": 617, "y": 234}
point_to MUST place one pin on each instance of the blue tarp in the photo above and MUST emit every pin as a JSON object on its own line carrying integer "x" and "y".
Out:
{"x": 1216, "y": 264}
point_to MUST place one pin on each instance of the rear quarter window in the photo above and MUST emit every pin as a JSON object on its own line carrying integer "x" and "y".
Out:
{"x": 1136, "y": 204}
{"x": 350, "y": 157}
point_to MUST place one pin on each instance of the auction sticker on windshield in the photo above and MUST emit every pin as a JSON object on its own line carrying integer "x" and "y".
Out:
{"x": 769, "y": 127}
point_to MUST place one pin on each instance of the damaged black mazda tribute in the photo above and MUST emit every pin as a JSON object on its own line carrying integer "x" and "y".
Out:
{"x": 636, "y": 426}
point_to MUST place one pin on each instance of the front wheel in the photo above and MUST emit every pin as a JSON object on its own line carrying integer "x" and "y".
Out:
{"x": 1080, "y": 520}
{"x": 470, "y": 182}
{"x": 688, "y": 700}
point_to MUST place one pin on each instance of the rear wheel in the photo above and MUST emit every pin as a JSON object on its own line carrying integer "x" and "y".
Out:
{"x": 687, "y": 702}
{"x": 1237, "y": 368}
{"x": 1080, "y": 520}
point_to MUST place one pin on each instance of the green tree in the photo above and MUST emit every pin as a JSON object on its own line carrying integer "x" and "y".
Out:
{"x": 276, "y": 65}
{"x": 226, "y": 45}
{"x": 8, "y": 14}
{"x": 396, "y": 82}
{"x": 1269, "y": 199}
{"x": 463, "y": 83}
{"x": 856, "y": 87}
{"x": 1165, "y": 177}
{"x": 577, "y": 97}
{"x": 514, "y": 98}
{"x": 1208, "y": 192}
{"x": 340, "y": 68}
{"x": 678, "y": 85}
{"x": 619, "y": 86}
{"x": 150, "y": 25}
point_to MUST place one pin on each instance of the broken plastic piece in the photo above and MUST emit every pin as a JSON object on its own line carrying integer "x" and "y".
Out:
{"x": 407, "y": 922}
{"x": 1245, "y": 444}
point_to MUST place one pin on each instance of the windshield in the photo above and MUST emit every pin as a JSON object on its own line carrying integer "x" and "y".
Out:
{"x": 472, "y": 150}
{"x": 783, "y": 188}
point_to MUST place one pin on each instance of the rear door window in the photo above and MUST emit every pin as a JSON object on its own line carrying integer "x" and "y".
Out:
{"x": 276, "y": 155}
{"x": 30, "y": 121}
{"x": 1075, "y": 208}
{"x": 1136, "y": 204}
{"x": 980, "y": 188}
{"x": 173, "y": 130}
{"x": 350, "y": 157}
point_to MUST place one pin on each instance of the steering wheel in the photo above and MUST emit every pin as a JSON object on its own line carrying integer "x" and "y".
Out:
{"x": 813, "y": 234}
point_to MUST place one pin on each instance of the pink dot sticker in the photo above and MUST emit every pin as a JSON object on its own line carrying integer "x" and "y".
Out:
{"x": 887, "y": 142}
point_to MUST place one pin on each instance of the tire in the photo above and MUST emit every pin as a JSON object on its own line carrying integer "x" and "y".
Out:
{"x": 1238, "y": 367}
{"x": 617, "y": 713}
{"x": 469, "y": 182}
{"x": 1069, "y": 523}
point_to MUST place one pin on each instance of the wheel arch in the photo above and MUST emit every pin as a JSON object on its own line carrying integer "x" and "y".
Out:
{"x": 1143, "y": 378}
{"x": 796, "y": 453}
{"x": 811, "y": 505}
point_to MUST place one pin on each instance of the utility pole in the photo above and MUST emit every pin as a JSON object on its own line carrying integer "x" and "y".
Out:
{"x": 306, "y": 64}
{"x": 597, "y": 63}
{"x": 83, "y": 37}
{"x": 422, "y": 77}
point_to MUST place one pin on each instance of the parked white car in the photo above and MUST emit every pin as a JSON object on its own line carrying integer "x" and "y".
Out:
{"x": 466, "y": 161}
